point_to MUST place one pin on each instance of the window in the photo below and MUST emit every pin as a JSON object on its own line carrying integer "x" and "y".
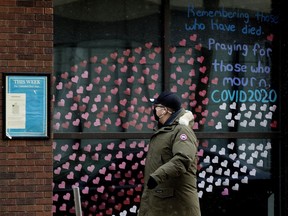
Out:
{"x": 112, "y": 56}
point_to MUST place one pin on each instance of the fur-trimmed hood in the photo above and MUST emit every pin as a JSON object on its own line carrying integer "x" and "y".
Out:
{"x": 187, "y": 118}
{"x": 182, "y": 117}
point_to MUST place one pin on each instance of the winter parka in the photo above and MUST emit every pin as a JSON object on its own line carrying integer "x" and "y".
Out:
{"x": 172, "y": 161}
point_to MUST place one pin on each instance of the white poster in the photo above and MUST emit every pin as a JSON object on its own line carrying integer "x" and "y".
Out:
{"x": 16, "y": 111}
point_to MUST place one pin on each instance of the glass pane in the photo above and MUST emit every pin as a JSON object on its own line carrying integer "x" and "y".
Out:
{"x": 231, "y": 174}
{"x": 235, "y": 173}
{"x": 107, "y": 65}
{"x": 223, "y": 66}
{"x": 109, "y": 174}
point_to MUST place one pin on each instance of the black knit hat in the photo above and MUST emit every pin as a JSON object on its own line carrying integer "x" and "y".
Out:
{"x": 169, "y": 99}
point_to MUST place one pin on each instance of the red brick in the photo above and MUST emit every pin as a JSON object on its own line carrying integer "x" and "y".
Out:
{"x": 16, "y": 63}
{"x": 26, "y": 30}
{"x": 25, "y": 201}
{"x": 17, "y": 37}
{"x": 7, "y": 176}
{"x": 48, "y": 65}
{"x": 34, "y": 64}
{"x": 16, "y": 143}
{"x": 48, "y": 10}
{"x": 26, "y": 57}
{"x": 46, "y": 201}
{"x": 36, "y": 50}
{"x": 3, "y": 158}
{"x": 35, "y": 37}
{"x": 8, "y": 3}
{"x": 34, "y": 182}
{"x": 43, "y": 187}
{"x": 7, "y": 29}
{"x": 25, "y": 175}
{"x": 44, "y": 44}
{"x": 43, "y": 162}
{"x": 25, "y": 68}
{"x": 37, "y": 208}
{"x": 17, "y": 208}
{"x": 27, "y": 188}
{"x": 3, "y": 66}
{"x": 25, "y": 162}
{"x": 38, "y": 169}
{"x": 44, "y": 213}
{"x": 44, "y": 30}
{"x": 35, "y": 194}
{"x": 4, "y": 49}
{"x": 16, "y": 194}
{"x": 35, "y": 10}
{"x": 6, "y": 163}
{"x": 15, "y": 182}
{"x": 18, "y": 169}
{"x": 25, "y": 3}
{"x": 44, "y": 175}
{"x": 25, "y": 16}
{"x": 8, "y": 201}
{"x": 47, "y": 169}
{"x": 48, "y": 25}
{"x": 15, "y": 23}
{"x": 43, "y": 149}
{"x": 16, "y": 155}
{"x": 34, "y": 23}
{"x": 4, "y": 36}
{"x": 23, "y": 214}
{"x": 7, "y": 149}
{"x": 26, "y": 45}
{"x": 48, "y": 37}
{"x": 44, "y": 17}
{"x": 49, "y": 193}
{"x": 44, "y": 4}
{"x": 8, "y": 43}
{"x": 16, "y": 10}
{"x": 7, "y": 56}
{"x": 18, "y": 50}
{"x": 43, "y": 57}
{"x": 7, "y": 16}
{"x": 25, "y": 149}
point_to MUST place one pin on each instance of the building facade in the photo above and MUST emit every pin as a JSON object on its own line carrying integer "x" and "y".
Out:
{"x": 103, "y": 61}
{"x": 26, "y": 166}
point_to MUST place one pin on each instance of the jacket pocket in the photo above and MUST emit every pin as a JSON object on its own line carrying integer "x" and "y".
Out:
{"x": 163, "y": 192}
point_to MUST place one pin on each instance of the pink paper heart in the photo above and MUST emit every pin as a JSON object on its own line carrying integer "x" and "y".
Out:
{"x": 182, "y": 42}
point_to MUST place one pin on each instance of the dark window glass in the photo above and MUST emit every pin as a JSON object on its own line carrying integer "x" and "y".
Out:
{"x": 107, "y": 65}
{"x": 109, "y": 60}
{"x": 222, "y": 63}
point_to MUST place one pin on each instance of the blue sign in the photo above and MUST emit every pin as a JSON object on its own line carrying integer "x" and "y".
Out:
{"x": 26, "y": 106}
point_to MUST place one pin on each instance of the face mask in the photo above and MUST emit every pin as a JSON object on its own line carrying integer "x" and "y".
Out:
{"x": 156, "y": 116}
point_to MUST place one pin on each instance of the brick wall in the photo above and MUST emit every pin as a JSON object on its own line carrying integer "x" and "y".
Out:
{"x": 26, "y": 45}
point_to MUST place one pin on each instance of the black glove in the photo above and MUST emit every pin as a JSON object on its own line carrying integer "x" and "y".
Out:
{"x": 151, "y": 184}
